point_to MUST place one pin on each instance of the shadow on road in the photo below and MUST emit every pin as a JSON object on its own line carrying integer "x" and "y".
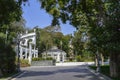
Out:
{"x": 77, "y": 72}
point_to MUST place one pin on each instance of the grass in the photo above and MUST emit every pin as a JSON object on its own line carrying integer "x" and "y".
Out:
{"x": 104, "y": 70}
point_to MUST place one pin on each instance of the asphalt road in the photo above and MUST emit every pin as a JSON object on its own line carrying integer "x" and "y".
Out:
{"x": 57, "y": 73}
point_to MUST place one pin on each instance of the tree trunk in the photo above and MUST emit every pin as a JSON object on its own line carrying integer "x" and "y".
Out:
{"x": 102, "y": 59}
{"x": 115, "y": 65}
{"x": 96, "y": 61}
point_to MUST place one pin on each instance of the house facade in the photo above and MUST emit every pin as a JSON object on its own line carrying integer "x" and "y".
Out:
{"x": 55, "y": 53}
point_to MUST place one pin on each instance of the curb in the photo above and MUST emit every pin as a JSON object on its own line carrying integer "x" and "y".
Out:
{"x": 10, "y": 78}
{"x": 101, "y": 76}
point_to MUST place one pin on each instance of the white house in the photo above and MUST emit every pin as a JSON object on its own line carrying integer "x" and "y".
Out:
{"x": 55, "y": 53}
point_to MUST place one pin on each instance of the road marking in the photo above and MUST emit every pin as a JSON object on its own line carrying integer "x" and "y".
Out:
{"x": 19, "y": 75}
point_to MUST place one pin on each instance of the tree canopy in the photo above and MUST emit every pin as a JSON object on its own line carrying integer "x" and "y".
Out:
{"x": 10, "y": 11}
{"x": 100, "y": 18}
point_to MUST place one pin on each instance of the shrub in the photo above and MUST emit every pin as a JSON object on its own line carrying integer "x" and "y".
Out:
{"x": 7, "y": 59}
{"x": 49, "y": 58}
{"x": 78, "y": 58}
{"x": 24, "y": 63}
{"x": 40, "y": 59}
{"x": 37, "y": 59}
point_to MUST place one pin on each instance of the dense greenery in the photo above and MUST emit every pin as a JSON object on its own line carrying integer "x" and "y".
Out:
{"x": 7, "y": 58}
{"x": 51, "y": 36}
{"x": 7, "y": 42}
{"x": 11, "y": 23}
{"x": 42, "y": 59}
{"x": 10, "y": 11}
{"x": 23, "y": 63}
{"x": 97, "y": 19}
{"x": 105, "y": 70}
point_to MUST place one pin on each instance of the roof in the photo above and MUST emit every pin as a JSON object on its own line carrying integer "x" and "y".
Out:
{"x": 54, "y": 49}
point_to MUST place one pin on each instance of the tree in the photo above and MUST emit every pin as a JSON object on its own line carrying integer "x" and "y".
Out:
{"x": 44, "y": 39}
{"x": 102, "y": 32}
{"x": 66, "y": 44}
{"x": 112, "y": 33}
{"x": 7, "y": 59}
{"x": 101, "y": 15}
{"x": 10, "y": 11}
{"x": 49, "y": 37}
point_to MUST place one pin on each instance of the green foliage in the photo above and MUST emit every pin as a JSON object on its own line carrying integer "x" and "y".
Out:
{"x": 2, "y": 39}
{"x": 40, "y": 59}
{"x": 49, "y": 58}
{"x": 97, "y": 19}
{"x": 37, "y": 59}
{"x": 24, "y": 63}
{"x": 83, "y": 58}
{"x": 49, "y": 37}
{"x": 78, "y": 58}
{"x": 93, "y": 67}
{"x": 77, "y": 43}
{"x": 10, "y": 11}
{"x": 66, "y": 43}
{"x": 87, "y": 56}
{"x": 105, "y": 70}
{"x": 7, "y": 59}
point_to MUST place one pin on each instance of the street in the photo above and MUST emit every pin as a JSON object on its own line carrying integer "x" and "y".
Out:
{"x": 57, "y": 73}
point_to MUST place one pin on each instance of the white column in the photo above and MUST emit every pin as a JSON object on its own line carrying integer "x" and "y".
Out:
{"x": 58, "y": 57}
{"x": 30, "y": 54}
{"x": 36, "y": 52}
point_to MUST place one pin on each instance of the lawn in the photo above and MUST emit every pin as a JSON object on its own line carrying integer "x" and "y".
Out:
{"x": 104, "y": 70}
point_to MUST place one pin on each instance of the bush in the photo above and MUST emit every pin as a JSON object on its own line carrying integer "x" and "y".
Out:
{"x": 40, "y": 59}
{"x": 105, "y": 70}
{"x": 49, "y": 58}
{"x": 87, "y": 56}
{"x": 37, "y": 59}
{"x": 78, "y": 58}
{"x": 7, "y": 59}
{"x": 24, "y": 63}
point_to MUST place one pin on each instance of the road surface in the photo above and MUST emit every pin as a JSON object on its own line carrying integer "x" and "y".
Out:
{"x": 57, "y": 73}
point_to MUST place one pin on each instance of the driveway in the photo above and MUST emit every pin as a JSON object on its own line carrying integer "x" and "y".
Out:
{"x": 57, "y": 73}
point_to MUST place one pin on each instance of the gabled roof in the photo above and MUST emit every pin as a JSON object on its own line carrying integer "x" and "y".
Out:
{"x": 54, "y": 49}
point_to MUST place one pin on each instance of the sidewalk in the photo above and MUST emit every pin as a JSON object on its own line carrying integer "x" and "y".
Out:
{"x": 74, "y": 63}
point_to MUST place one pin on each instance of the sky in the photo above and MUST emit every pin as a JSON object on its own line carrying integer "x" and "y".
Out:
{"x": 35, "y": 16}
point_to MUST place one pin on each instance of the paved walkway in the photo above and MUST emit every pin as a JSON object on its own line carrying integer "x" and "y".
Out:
{"x": 57, "y": 73}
